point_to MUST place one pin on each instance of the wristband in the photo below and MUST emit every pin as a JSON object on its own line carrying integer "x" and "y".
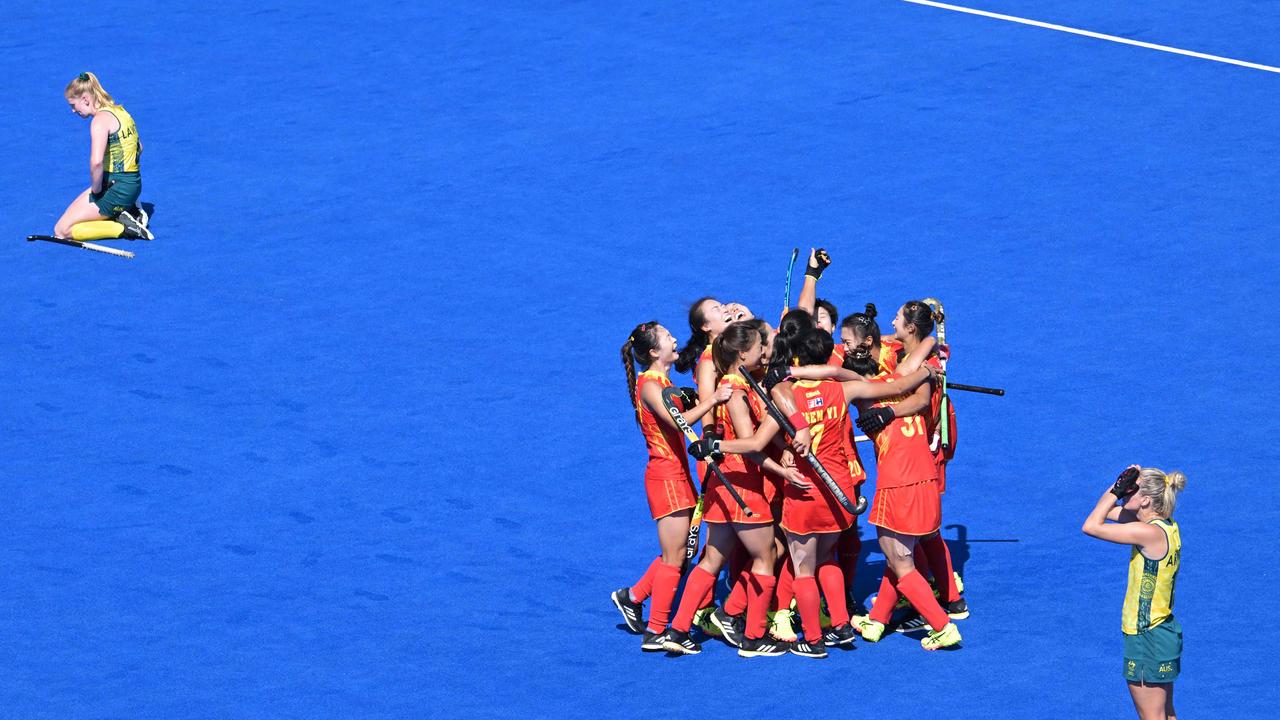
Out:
{"x": 797, "y": 420}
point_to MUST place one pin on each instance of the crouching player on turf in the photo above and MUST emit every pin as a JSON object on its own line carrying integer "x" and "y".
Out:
{"x": 1140, "y": 507}
{"x": 105, "y": 210}
{"x": 671, "y": 493}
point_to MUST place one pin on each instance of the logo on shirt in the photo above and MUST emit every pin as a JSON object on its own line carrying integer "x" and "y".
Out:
{"x": 815, "y": 403}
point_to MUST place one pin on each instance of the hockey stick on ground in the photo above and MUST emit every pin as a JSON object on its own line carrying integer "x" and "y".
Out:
{"x": 81, "y": 244}
{"x": 790, "y": 430}
{"x": 669, "y": 402}
{"x": 786, "y": 298}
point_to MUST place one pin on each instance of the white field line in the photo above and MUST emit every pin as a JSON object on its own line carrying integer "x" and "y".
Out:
{"x": 1099, "y": 36}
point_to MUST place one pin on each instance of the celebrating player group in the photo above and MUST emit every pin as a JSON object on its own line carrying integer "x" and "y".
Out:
{"x": 780, "y": 476}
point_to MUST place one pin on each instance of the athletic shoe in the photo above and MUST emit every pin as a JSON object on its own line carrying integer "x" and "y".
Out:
{"x": 857, "y": 611}
{"x": 677, "y": 641}
{"x": 957, "y": 609}
{"x": 133, "y": 229}
{"x": 959, "y": 582}
{"x": 141, "y": 215}
{"x": 946, "y": 637}
{"x": 702, "y": 619}
{"x": 761, "y": 647}
{"x": 824, "y": 620}
{"x": 731, "y": 627}
{"x": 804, "y": 648}
{"x": 914, "y": 622}
{"x": 780, "y": 626}
{"x": 870, "y": 630}
{"x": 653, "y": 642}
{"x": 632, "y": 612}
{"x": 842, "y": 635}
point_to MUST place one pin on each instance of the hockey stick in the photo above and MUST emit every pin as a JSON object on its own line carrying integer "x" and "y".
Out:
{"x": 790, "y": 429}
{"x": 976, "y": 389}
{"x": 669, "y": 402}
{"x": 81, "y": 244}
{"x": 786, "y": 298}
{"x": 944, "y": 407}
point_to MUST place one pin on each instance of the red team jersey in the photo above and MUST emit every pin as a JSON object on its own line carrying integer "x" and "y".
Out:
{"x": 906, "y": 498}
{"x": 888, "y": 359}
{"x": 837, "y": 356}
{"x": 746, "y": 477}
{"x": 666, "y": 477}
{"x": 827, "y": 414}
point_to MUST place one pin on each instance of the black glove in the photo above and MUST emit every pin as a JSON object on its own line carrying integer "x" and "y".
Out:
{"x": 875, "y": 420}
{"x": 708, "y": 446}
{"x": 1126, "y": 484}
{"x": 689, "y": 397}
{"x": 774, "y": 375}
{"x": 820, "y": 257}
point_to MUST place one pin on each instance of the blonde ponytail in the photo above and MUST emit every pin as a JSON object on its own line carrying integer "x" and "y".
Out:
{"x": 1162, "y": 488}
{"x": 87, "y": 82}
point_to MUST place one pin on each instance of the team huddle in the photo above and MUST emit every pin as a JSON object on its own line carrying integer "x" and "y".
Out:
{"x": 781, "y": 476}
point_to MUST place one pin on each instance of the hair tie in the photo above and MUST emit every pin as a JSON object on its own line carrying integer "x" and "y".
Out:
{"x": 84, "y": 77}
{"x": 1167, "y": 481}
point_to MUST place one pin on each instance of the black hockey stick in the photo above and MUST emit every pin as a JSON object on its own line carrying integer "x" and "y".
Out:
{"x": 668, "y": 402}
{"x": 790, "y": 429}
{"x": 976, "y": 389}
{"x": 81, "y": 244}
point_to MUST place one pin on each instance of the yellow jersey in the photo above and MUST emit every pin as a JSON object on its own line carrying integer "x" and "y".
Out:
{"x": 124, "y": 152}
{"x": 1148, "y": 601}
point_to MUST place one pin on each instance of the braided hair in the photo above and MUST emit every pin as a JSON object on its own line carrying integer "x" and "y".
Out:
{"x": 635, "y": 351}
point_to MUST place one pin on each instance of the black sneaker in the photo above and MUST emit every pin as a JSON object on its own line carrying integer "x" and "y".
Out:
{"x": 632, "y": 612}
{"x": 762, "y": 647}
{"x": 731, "y": 626}
{"x": 133, "y": 228}
{"x": 911, "y": 623}
{"x": 842, "y": 635}
{"x": 653, "y": 642}
{"x": 677, "y": 641}
{"x": 957, "y": 609}
{"x": 805, "y": 648}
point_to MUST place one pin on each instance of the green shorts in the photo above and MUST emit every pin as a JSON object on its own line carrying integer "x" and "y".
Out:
{"x": 122, "y": 191}
{"x": 1155, "y": 655}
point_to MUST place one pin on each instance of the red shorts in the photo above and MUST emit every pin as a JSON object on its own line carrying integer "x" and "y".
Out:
{"x": 816, "y": 510}
{"x": 908, "y": 509}
{"x": 668, "y": 492}
{"x": 719, "y": 505}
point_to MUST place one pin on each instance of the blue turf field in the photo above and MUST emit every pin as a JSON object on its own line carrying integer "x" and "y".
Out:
{"x": 350, "y": 438}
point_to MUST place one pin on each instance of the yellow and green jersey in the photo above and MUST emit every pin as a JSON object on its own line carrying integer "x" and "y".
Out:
{"x": 1149, "y": 598}
{"x": 123, "y": 150}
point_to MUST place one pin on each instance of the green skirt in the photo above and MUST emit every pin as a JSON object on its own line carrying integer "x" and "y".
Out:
{"x": 1154, "y": 655}
{"x": 121, "y": 193}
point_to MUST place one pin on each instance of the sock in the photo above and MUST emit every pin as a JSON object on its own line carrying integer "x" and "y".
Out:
{"x": 760, "y": 596}
{"x": 784, "y": 591}
{"x": 736, "y": 603}
{"x": 695, "y": 589}
{"x": 921, "y": 560}
{"x": 665, "y": 579}
{"x": 882, "y": 608}
{"x": 810, "y": 610}
{"x": 642, "y": 587}
{"x": 97, "y": 230}
{"x": 914, "y": 587}
{"x": 848, "y": 550}
{"x": 939, "y": 555}
{"x": 833, "y": 589}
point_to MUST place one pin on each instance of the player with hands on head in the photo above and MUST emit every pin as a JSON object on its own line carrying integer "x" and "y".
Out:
{"x": 1137, "y": 510}
{"x": 670, "y": 490}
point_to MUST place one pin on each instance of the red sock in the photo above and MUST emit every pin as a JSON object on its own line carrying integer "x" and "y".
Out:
{"x": 736, "y": 603}
{"x": 761, "y": 594}
{"x": 882, "y": 608}
{"x": 642, "y": 587}
{"x": 810, "y": 610}
{"x": 921, "y": 597}
{"x": 695, "y": 588}
{"x": 784, "y": 592}
{"x": 848, "y": 550}
{"x": 665, "y": 580}
{"x": 940, "y": 565}
{"x": 833, "y": 589}
{"x": 921, "y": 560}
